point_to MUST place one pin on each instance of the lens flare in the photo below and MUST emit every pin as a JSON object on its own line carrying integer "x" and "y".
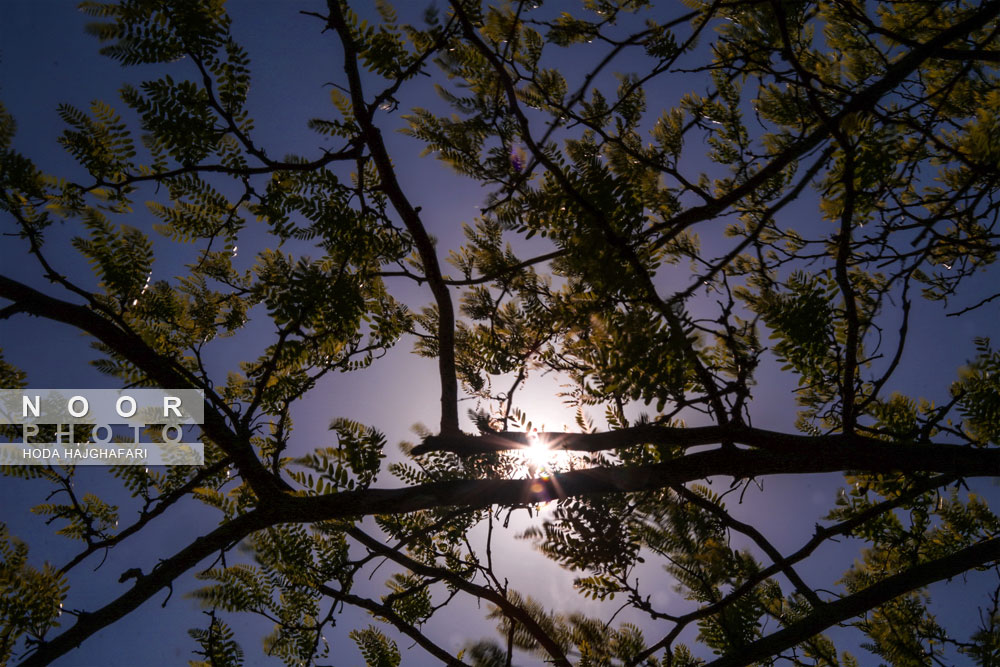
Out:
{"x": 537, "y": 454}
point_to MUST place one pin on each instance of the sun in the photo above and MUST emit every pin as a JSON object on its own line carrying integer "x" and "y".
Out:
{"x": 537, "y": 454}
{"x": 540, "y": 458}
{"x": 542, "y": 453}
{"x": 541, "y": 464}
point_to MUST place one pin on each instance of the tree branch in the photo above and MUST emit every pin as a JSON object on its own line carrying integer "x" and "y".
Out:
{"x": 162, "y": 370}
{"x": 387, "y": 612}
{"x": 895, "y": 75}
{"x": 511, "y": 610}
{"x": 411, "y": 218}
{"x": 857, "y": 603}
{"x": 287, "y": 508}
{"x": 646, "y": 434}
{"x": 161, "y": 576}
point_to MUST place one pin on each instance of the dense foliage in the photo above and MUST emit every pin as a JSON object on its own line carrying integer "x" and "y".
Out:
{"x": 732, "y": 187}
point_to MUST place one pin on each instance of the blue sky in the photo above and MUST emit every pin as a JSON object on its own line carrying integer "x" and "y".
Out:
{"x": 46, "y": 59}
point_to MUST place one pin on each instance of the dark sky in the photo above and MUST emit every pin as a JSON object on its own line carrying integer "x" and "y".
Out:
{"x": 46, "y": 59}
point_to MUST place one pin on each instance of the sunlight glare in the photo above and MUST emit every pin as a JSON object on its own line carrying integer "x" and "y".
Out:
{"x": 537, "y": 454}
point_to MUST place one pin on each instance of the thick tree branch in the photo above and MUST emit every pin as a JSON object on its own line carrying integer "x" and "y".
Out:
{"x": 160, "y": 369}
{"x": 286, "y": 508}
{"x": 161, "y": 576}
{"x": 821, "y": 535}
{"x": 468, "y": 445}
{"x": 825, "y": 456}
{"x": 857, "y": 603}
